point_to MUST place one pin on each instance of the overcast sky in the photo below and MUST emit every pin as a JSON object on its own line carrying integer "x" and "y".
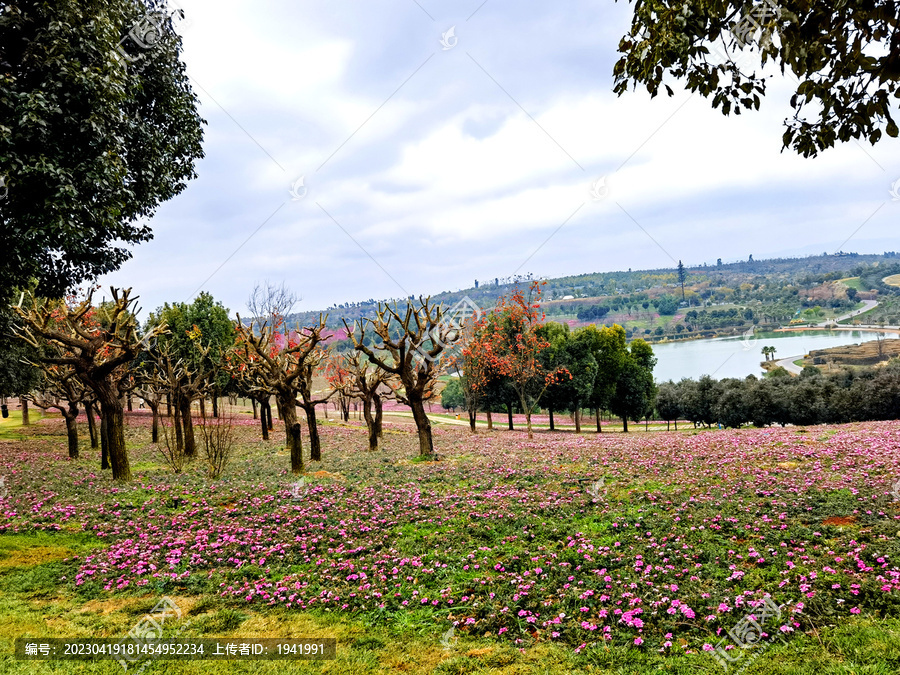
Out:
{"x": 427, "y": 165}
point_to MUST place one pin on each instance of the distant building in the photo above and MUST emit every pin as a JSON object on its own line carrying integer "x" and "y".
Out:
{"x": 568, "y": 297}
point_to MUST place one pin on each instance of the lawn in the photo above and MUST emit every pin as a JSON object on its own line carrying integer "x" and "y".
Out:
{"x": 493, "y": 560}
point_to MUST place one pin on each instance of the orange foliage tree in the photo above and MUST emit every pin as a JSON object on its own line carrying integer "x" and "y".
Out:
{"x": 508, "y": 344}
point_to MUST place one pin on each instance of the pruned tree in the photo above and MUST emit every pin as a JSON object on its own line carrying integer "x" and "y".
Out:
{"x": 338, "y": 377}
{"x": 411, "y": 342}
{"x": 61, "y": 390}
{"x": 181, "y": 380}
{"x": 97, "y": 353}
{"x": 367, "y": 382}
{"x": 309, "y": 398}
{"x": 274, "y": 363}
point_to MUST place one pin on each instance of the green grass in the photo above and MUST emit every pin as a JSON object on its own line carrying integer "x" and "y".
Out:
{"x": 11, "y": 428}
{"x": 852, "y": 282}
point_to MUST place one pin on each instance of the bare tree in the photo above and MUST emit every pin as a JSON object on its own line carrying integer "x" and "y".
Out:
{"x": 61, "y": 390}
{"x": 271, "y": 304}
{"x": 97, "y": 353}
{"x": 308, "y": 401}
{"x": 411, "y": 342}
{"x": 272, "y": 363}
{"x": 366, "y": 382}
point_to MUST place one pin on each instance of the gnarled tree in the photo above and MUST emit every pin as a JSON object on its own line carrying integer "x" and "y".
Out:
{"x": 96, "y": 351}
{"x": 367, "y": 382}
{"x": 61, "y": 390}
{"x": 411, "y": 342}
{"x": 274, "y": 363}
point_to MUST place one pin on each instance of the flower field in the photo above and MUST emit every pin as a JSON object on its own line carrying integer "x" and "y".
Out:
{"x": 657, "y": 542}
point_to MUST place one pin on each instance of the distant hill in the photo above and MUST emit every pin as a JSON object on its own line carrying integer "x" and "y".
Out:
{"x": 806, "y": 271}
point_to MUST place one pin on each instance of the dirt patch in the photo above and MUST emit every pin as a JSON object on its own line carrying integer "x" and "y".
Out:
{"x": 327, "y": 474}
{"x": 34, "y": 555}
{"x": 839, "y": 520}
{"x": 125, "y": 604}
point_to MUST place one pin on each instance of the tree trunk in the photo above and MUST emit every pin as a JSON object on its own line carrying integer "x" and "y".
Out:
{"x": 625, "y": 424}
{"x": 599, "y": 428}
{"x": 92, "y": 425}
{"x": 676, "y": 425}
{"x": 168, "y": 405}
{"x": 269, "y": 422}
{"x": 490, "y": 420}
{"x": 509, "y": 414}
{"x": 104, "y": 441}
{"x": 423, "y": 426}
{"x": 176, "y": 424}
{"x": 72, "y": 429}
{"x": 215, "y": 403}
{"x": 130, "y": 403}
{"x": 253, "y": 403}
{"x": 370, "y": 424}
{"x": 293, "y": 431}
{"x": 26, "y": 419}
{"x": 552, "y": 427}
{"x": 578, "y": 419}
{"x": 154, "y": 427}
{"x": 315, "y": 444}
{"x": 264, "y": 422}
{"x": 379, "y": 415}
{"x": 667, "y": 425}
{"x": 202, "y": 408}
{"x": 114, "y": 417}
{"x": 472, "y": 417}
{"x": 187, "y": 423}
{"x": 527, "y": 410}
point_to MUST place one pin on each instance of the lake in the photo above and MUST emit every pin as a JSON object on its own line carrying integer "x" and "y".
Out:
{"x": 739, "y": 357}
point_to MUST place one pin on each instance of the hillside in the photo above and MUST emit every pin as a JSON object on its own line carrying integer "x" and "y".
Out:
{"x": 721, "y": 298}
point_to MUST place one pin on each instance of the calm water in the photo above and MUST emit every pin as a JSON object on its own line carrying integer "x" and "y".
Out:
{"x": 735, "y": 357}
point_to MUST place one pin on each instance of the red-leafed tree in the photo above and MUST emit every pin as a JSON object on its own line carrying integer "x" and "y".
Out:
{"x": 511, "y": 346}
{"x": 472, "y": 366}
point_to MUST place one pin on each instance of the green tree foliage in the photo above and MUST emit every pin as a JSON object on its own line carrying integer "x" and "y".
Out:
{"x": 90, "y": 142}
{"x": 17, "y": 375}
{"x": 813, "y": 398}
{"x": 205, "y": 320}
{"x": 635, "y": 390}
{"x": 452, "y": 396}
{"x": 668, "y": 403}
{"x": 845, "y": 56}
{"x": 667, "y": 305}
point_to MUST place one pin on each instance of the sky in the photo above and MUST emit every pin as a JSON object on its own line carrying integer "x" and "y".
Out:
{"x": 378, "y": 150}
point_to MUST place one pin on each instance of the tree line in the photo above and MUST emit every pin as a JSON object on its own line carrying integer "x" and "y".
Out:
{"x": 815, "y": 397}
